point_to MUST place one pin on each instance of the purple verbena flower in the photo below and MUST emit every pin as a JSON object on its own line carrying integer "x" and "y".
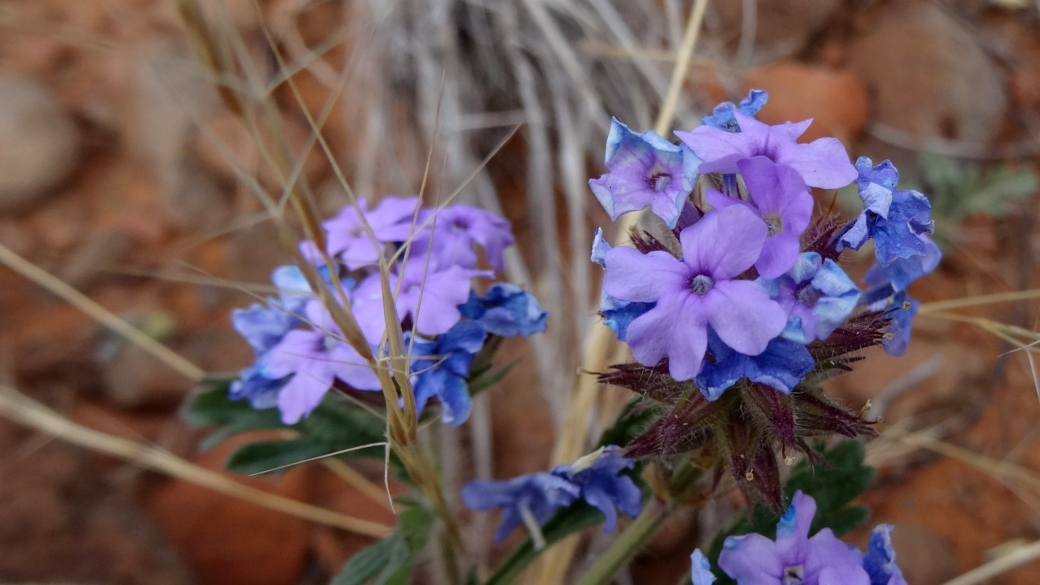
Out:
{"x": 440, "y": 368}
{"x": 722, "y": 116}
{"x": 817, "y": 295}
{"x": 602, "y": 486}
{"x": 527, "y": 499}
{"x": 793, "y": 557}
{"x": 428, "y": 296}
{"x": 390, "y": 221}
{"x": 896, "y": 220}
{"x": 644, "y": 170}
{"x": 315, "y": 358}
{"x": 617, "y": 314}
{"x": 506, "y": 310}
{"x": 451, "y": 232}
{"x": 821, "y": 163}
{"x": 780, "y": 198}
{"x": 698, "y": 291}
{"x": 781, "y": 366}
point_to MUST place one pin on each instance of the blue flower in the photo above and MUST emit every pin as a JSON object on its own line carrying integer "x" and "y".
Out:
{"x": 531, "y": 499}
{"x": 258, "y": 385}
{"x": 880, "y": 560}
{"x": 527, "y": 499}
{"x": 722, "y": 116}
{"x": 600, "y": 247}
{"x": 781, "y": 366}
{"x": 903, "y": 271}
{"x": 644, "y": 170}
{"x": 602, "y": 486}
{"x": 700, "y": 569}
{"x": 817, "y": 295}
{"x": 506, "y": 311}
{"x": 442, "y": 366}
{"x": 902, "y": 310}
{"x": 896, "y": 220}
{"x": 263, "y": 326}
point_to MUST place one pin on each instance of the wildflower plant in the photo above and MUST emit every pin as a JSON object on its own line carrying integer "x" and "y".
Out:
{"x": 734, "y": 305}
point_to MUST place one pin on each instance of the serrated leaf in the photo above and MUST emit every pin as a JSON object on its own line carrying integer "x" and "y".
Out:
{"x": 264, "y": 456}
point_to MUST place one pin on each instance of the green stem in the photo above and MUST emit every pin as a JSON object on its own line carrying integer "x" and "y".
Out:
{"x": 622, "y": 550}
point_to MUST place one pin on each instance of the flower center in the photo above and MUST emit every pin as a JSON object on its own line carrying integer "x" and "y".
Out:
{"x": 701, "y": 284}
{"x": 794, "y": 575}
{"x": 330, "y": 343}
{"x": 459, "y": 225}
{"x": 774, "y": 224}
{"x": 659, "y": 181}
{"x": 808, "y": 295}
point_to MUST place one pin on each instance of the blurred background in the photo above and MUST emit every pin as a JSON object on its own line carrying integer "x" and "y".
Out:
{"x": 125, "y": 173}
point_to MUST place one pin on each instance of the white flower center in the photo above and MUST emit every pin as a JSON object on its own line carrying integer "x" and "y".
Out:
{"x": 701, "y": 284}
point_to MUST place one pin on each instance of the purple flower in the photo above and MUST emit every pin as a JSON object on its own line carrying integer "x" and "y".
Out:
{"x": 821, "y": 163}
{"x": 781, "y": 366}
{"x": 817, "y": 295}
{"x": 263, "y": 326}
{"x": 429, "y": 297}
{"x": 453, "y": 230}
{"x": 617, "y": 314}
{"x": 880, "y": 560}
{"x": 794, "y": 557}
{"x": 698, "y": 291}
{"x": 440, "y": 369}
{"x": 528, "y": 499}
{"x": 902, "y": 310}
{"x": 700, "y": 569}
{"x": 506, "y": 311}
{"x": 315, "y": 358}
{"x": 258, "y": 385}
{"x": 780, "y": 198}
{"x": 644, "y": 170}
{"x": 896, "y": 220}
{"x": 722, "y": 116}
{"x": 390, "y": 220}
{"x": 602, "y": 486}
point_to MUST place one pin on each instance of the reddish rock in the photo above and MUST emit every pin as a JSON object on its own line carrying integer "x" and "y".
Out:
{"x": 836, "y": 100}
{"x": 928, "y": 75}
{"x": 228, "y": 541}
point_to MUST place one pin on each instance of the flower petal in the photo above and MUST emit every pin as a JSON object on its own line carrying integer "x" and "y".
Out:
{"x": 724, "y": 243}
{"x": 632, "y": 276}
{"x": 743, "y": 315}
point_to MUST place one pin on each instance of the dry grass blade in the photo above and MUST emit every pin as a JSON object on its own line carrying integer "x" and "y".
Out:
{"x": 977, "y": 301}
{"x": 21, "y": 409}
{"x": 999, "y": 566}
{"x": 101, "y": 314}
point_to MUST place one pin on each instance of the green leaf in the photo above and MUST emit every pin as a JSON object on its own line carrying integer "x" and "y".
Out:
{"x": 264, "y": 456}
{"x": 567, "y": 521}
{"x": 391, "y": 560}
{"x": 340, "y": 426}
{"x": 488, "y": 378}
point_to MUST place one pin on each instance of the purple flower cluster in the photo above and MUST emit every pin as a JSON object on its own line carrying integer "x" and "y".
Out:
{"x": 744, "y": 282}
{"x": 533, "y": 498}
{"x": 796, "y": 559}
{"x": 433, "y": 259}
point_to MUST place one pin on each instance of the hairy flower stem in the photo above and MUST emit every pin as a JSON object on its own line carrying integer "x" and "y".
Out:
{"x": 622, "y": 550}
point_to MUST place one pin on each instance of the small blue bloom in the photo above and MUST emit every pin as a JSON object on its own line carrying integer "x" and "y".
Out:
{"x": 528, "y": 499}
{"x": 904, "y": 271}
{"x": 722, "y": 116}
{"x": 817, "y": 295}
{"x": 700, "y": 569}
{"x": 441, "y": 367}
{"x": 781, "y": 366}
{"x": 880, "y": 560}
{"x": 263, "y": 326}
{"x": 896, "y": 220}
{"x": 258, "y": 385}
{"x": 902, "y": 310}
{"x": 600, "y": 247}
{"x": 602, "y": 486}
{"x": 644, "y": 170}
{"x": 618, "y": 314}
{"x": 506, "y": 311}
